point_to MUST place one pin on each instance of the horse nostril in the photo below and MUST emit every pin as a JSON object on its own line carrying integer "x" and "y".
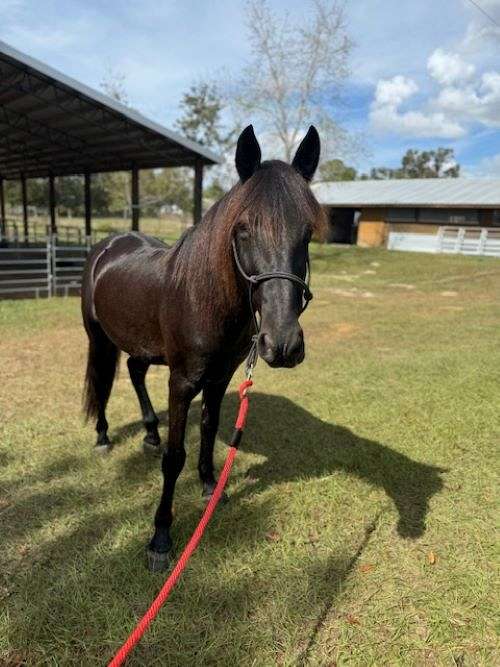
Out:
{"x": 268, "y": 349}
{"x": 265, "y": 343}
{"x": 294, "y": 348}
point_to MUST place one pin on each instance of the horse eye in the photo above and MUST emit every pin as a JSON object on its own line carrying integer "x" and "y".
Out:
{"x": 243, "y": 234}
{"x": 307, "y": 235}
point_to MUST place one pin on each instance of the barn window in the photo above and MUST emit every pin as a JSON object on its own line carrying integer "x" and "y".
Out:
{"x": 402, "y": 215}
{"x": 450, "y": 216}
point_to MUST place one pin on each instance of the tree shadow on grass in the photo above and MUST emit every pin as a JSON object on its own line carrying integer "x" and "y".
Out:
{"x": 296, "y": 445}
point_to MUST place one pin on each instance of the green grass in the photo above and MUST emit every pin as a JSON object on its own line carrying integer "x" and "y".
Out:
{"x": 168, "y": 227}
{"x": 372, "y": 459}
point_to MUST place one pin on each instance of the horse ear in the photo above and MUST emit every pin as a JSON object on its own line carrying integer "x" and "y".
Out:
{"x": 307, "y": 156}
{"x": 247, "y": 154}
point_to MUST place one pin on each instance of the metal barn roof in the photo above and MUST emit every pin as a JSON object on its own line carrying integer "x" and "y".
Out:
{"x": 52, "y": 124}
{"x": 423, "y": 192}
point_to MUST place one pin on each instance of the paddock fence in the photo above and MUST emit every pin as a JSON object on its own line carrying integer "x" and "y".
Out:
{"x": 457, "y": 240}
{"x": 50, "y": 268}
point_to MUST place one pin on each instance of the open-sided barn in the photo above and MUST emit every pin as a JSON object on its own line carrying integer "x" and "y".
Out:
{"x": 455, "y": 214}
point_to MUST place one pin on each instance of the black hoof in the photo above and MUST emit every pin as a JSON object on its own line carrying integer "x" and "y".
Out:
{"x": 158, "y": 561}
{"x": 151, "y": 447}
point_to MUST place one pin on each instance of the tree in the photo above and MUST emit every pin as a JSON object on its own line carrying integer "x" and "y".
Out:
{"x": 201, "y": 118}
{"x": 439, "y": 163}
{"x": 336, "y": 170}
{"x": 296, "y": 70}
{"x": 113, "y": 84}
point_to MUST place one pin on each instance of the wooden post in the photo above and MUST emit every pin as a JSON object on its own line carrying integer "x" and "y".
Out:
{"x": 3, "y": 221}
{"x": 88, "y": 204}
{"x": 25, "y": 207}
{"x": 135, "y": 199}
{"x": 52, "y": 204}
{"x": 198, "y": 191}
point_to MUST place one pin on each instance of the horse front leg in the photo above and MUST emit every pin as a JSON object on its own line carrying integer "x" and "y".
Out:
{"x": 212, "y": 399}
{"x": 181, "y": 394}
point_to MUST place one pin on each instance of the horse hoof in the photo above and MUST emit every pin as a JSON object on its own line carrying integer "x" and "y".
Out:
{"x": 223, "y": 499}
{"x": 158, "y": 561}
{"x": 101, "y": 450}
{"x": 150, "y": 448}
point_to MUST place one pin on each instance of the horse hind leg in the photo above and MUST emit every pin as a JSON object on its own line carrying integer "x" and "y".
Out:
{"x": 102, "y": 361}
{"x": 137, "y": 369}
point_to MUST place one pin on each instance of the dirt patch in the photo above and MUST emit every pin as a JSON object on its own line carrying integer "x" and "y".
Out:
{"x": 344, "y": 276}
{"x": 402, "y": 286}
{"x": 449, "y": 293}
{"x": 351, "y": 293}
{"x": 337, "y": 332}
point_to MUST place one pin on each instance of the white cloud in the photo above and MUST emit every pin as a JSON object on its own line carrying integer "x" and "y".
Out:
{"x": 479, "y": 101}
{"x": 393, "y": 92}
{"x": 386, "y": 116}
{"x": 463, "y": 98}
{"x": 449, "y": 68}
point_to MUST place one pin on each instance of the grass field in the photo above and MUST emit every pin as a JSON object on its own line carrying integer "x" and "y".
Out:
{"x": 360, "y": 529}
{"x": 168, "y": 227}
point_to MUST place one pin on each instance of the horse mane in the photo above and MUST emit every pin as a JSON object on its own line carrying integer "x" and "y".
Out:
{"x": 203, "y": 258}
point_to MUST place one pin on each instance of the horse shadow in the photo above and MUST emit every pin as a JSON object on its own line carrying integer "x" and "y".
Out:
{"x": 294, "y": 445}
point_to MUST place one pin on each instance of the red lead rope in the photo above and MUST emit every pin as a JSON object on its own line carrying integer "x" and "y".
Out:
{"x": 162, "y": 596}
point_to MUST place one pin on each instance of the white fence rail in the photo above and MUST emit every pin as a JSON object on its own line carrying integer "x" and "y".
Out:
{"x": 458, "y": 240}
{"x": 48, "y": 270}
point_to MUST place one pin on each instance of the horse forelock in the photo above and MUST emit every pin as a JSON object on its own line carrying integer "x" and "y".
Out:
{"x": 204, "y": 263}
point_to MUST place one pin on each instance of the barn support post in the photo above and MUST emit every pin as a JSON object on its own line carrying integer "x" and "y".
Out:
{"x": 3, "y": 221}
{"x": 135, "y": 199}
{"x": 24, "y": 194}
{"x": 52, "y": 204}
{"x": 198, "y": 191}
{"x": 88, "y": 205}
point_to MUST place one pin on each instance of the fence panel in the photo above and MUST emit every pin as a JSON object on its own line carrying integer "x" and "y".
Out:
{"x": 52, "y": 269}
{"x": 67, "y": 266}
{"x": 461, "y": 240}
{"x": 412, "y": 242}
{"x": 25, "y": 272}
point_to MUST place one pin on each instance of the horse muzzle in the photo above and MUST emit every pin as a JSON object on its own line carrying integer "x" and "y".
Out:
{"x": 282, "y": 351}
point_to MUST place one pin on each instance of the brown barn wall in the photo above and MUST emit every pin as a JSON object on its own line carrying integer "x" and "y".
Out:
{"x": 372, "y": 230}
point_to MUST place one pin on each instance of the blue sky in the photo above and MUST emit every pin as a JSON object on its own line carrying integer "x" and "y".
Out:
{"x": 423, "y": 74}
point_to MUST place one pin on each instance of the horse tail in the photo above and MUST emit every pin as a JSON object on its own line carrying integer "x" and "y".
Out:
{"x": 102, "y": 361}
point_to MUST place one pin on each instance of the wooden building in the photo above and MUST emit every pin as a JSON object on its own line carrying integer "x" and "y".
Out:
{"x": 455, "y": 214}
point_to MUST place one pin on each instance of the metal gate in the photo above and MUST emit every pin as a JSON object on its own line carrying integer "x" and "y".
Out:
{"x": 25, "y": 271}
{"x": 51, "y": 269}
{"x": 67, "y": 262}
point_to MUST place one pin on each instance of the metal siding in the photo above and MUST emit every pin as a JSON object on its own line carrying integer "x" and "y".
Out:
{"x": 50, "y": 123}
{"x": 426, "y": 192}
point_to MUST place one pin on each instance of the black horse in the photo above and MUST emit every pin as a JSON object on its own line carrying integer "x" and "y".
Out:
{"x": 187, "y": 306}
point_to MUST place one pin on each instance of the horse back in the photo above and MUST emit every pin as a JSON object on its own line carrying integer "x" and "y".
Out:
{"x": 122, "y": 288}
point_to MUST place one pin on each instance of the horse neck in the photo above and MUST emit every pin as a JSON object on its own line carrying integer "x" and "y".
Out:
{"x": 209, "y": 288}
